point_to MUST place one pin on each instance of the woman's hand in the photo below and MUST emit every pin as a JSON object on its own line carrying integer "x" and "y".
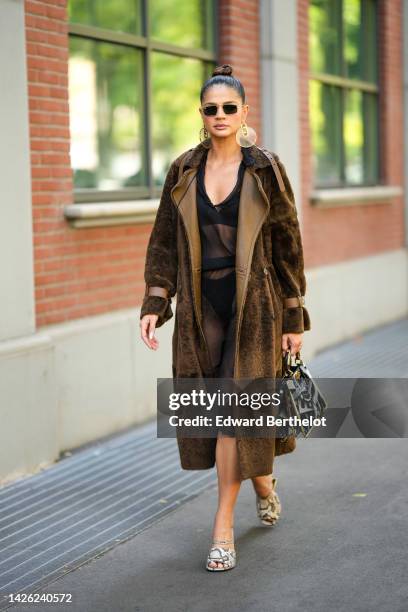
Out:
{"x": 292, "y": 341}
{"x": 147, "y": 328}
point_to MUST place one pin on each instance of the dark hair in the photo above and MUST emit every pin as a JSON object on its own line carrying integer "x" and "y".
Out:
{"x": 222, "y": 75}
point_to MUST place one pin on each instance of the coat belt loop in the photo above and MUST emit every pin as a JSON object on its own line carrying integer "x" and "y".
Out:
{"x": 294, "y": 302}
{"x": 158, "y": 291}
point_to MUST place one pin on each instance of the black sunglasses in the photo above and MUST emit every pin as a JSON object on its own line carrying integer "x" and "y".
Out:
{"x": 211, "y": 109}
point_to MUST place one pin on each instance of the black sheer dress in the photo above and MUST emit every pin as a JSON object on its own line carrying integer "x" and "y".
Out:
{"x": 218, "y": 232}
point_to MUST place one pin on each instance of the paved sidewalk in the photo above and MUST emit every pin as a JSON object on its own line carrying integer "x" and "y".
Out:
{"x": 341, "y": 543}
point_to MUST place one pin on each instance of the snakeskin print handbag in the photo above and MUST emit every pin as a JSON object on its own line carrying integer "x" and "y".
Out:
{"x": 301, "y": 396}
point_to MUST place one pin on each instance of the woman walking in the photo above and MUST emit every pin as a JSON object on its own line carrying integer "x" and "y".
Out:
{"x": 226, "y": 239}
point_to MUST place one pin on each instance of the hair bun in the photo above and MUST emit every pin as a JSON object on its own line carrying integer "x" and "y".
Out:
{"x": 224, "y": 69}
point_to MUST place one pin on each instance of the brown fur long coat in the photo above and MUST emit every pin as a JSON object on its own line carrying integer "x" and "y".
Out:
{"x": 269, "y": 269}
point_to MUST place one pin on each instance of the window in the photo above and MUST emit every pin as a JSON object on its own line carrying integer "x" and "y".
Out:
{"x": 135, "y": 72}
{"x": 343, "y": 92}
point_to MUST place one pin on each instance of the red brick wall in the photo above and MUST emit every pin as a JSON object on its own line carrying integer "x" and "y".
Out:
{"x": 78, "y": 272}
{"x": 338, "y": 234}
{"x": 239, "y": 46}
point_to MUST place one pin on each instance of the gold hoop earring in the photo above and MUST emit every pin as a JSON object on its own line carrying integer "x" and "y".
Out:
{"x": 203, "y": 133}
{"x": 245, "y": 136}
{"x": 205, "y": 137}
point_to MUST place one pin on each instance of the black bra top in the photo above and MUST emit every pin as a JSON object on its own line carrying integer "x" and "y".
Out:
{"x": 218, "y": 222}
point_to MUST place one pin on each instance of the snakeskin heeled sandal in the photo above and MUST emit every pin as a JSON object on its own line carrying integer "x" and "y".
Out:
{"x": 220, "y": 554}
{"x": 269, "y": 508}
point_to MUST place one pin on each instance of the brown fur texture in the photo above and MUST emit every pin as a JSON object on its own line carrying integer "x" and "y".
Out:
{"x": 269, "y": 268}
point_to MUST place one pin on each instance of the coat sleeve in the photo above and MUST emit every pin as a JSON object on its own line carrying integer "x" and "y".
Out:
{"x": 287, "y": 255}
{"x": 161, "y": 264}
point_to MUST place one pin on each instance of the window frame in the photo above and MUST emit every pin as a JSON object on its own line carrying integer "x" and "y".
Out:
{"x": 148, "y": 45}
{"x": 346, "y": 84}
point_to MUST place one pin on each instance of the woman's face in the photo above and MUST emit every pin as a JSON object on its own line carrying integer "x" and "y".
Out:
{"x": 219, "y": 95}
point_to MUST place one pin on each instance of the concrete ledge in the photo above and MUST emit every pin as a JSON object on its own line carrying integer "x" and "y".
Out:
{"x": 111, "y": 213}
{"x": 354, "y": 196}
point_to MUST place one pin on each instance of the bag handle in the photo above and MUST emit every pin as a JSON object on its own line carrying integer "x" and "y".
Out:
{"x": 289, "y": 361}
{"x": 274, "y": 166}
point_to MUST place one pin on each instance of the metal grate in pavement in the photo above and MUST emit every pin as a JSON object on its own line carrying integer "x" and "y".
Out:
{"x": 381, "y": 353}
{"x": 70, "y": 513}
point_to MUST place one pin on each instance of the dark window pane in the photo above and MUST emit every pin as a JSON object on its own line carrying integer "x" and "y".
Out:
{"x": 353, "y": 137}
{"x": 370, "y": 41}
{"x": 181, "y": 23}
{"x": 353, "y": 39}
{"x": 176, "y": 84}
{"x": 325, "y": 117}
{"x": 360, "y": 39}
{"x": 325, "y": 36}
{"x": 371, "y": 139}
{"x": 118, "y": 15}
{"x": 106, "y": 115}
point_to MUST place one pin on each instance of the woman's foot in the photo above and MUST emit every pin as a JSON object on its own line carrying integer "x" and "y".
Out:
{"x": 222, "y": 555}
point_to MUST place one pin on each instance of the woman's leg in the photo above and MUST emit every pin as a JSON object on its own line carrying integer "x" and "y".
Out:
{"x": 218, "y": 323}
{"x": 262, "y": 485}
{"x": 229, "y": 483}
